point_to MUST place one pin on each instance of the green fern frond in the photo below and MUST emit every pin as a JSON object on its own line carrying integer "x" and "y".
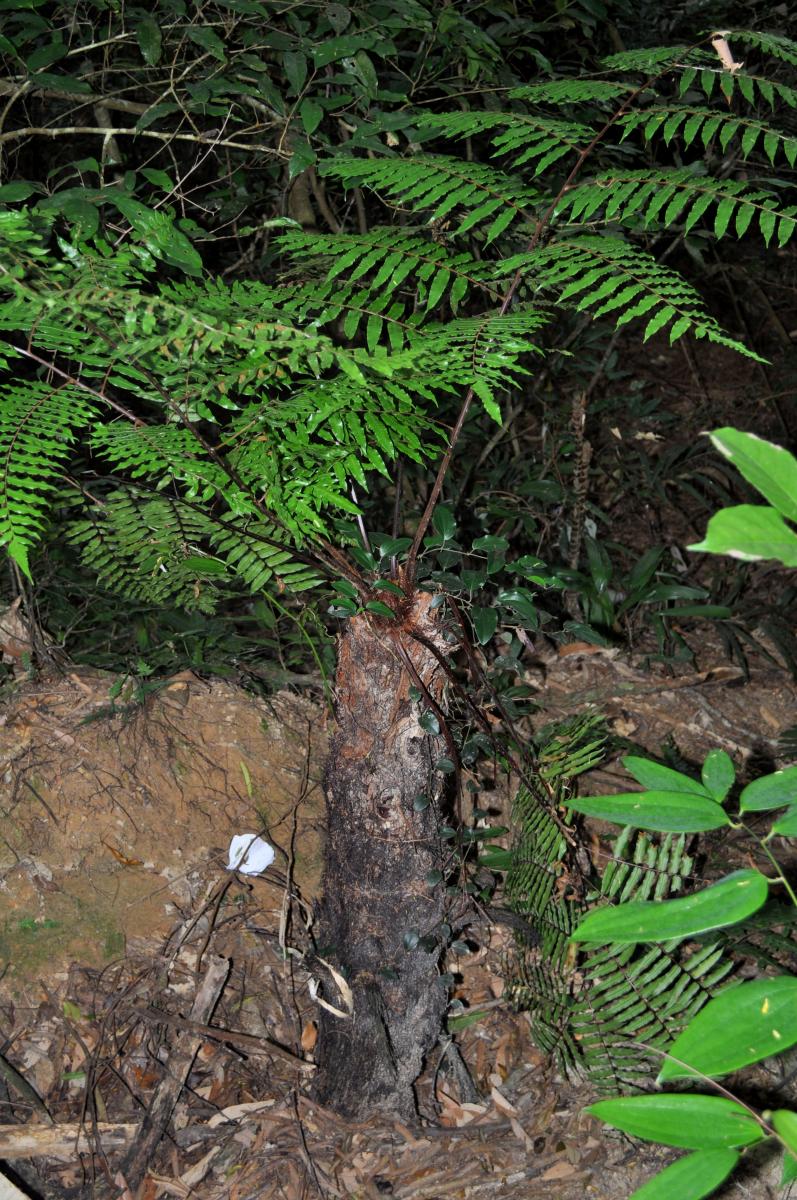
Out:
{"x": 38, "y": 426}
{"x": 601, "y": 1013}
{"x": 477, "y": 352}
{"x": 148, "y": 548}
{"x": 385, "y": 261}
{"x": 690, "y": 123}
{"x": 635, "y": 1000}
{"x": 164, "y": 454}
{"x": 439, "y": 185}
{"x": 654, "y": 60}
{"x": 162, "y": 550}
{"x": 664, "y": 197}
{"x": 611, "y": 277}
{"x": 527, "y": 137}
{"x": 559, "y": 93}
{"x": 774, "y": 44}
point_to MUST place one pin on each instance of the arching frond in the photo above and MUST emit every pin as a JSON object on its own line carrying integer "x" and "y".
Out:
{"x": 690, "y": 124}
{"x": 387, "y": 264}
{"x": 528, "y": 138}
{"x": 611, "y": 277}
{"x": 664, "y": 197}
{"x": 439, "y": 185}
{"x": 39, "y": 423}
{"x": 774, "y": 44}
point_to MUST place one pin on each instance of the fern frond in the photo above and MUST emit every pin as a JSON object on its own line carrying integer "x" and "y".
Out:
{"x": 559, "y": 93}
{"x": 165, "y": 454}
{"x": 439, "y": 185}
{"x": 689, "y": 123}
{"x": 634, "y": 999}
{"x": 38, "y": 426}
{"x": 666, "y": 196}
{"x": 527, "y": 137}
{"x": 611, "y": 277}
{"x": 383, "y": 262}
{"x": 656, "y": 59}
{"x": 147, "y": 548}
{"x": 774, "y": 44}
{"x": 162, "y": 550}
{"x": 477, "y": 352}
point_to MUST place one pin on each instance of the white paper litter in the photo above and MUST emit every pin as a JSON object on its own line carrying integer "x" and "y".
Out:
{"x": 250, "y": 854}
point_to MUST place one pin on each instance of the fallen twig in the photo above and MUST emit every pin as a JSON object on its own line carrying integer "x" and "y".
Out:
{"x": 156, "y": 1119}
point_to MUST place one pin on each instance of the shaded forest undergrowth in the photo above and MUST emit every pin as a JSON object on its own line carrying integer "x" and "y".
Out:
{"x": 144, "y": 978}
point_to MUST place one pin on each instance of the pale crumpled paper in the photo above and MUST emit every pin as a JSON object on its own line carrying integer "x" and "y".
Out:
{"x": 250, "y": 854}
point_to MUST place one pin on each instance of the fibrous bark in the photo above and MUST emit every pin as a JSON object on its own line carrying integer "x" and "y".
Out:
{"x": 381, "y": 847}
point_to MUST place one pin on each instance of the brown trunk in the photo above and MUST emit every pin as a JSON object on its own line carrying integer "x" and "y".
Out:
{"x": 380, "y": 851}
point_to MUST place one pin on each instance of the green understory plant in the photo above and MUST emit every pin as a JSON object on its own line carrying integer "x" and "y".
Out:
{"x": 746, "y": 1022}
{"x": 218, "y": 431}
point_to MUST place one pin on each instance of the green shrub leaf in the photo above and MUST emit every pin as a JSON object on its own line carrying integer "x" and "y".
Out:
{"x": 773, "y": 791}
{"x": 785, "y": 1123}
{"x": 655, "y": 776}
{"x": 718, "y": 774}
{"x": 674, "y": 1119}
{"x": 771, "y": 469}
{"x": 750, "y": 532}
{"x": 724, "y": 903}
{"x": 666, "y": 812}
{"x": 742, "y": 1025}
{"x": 690, "y": 1178}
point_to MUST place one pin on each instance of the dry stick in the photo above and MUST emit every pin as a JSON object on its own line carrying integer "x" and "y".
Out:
{"x": 542, "y": 225}
{"x": 156, "y": 1119}
{"x": 263, "y": 1047}
{"x": 63, "y": 1142}
{"x": 205, "y": 139}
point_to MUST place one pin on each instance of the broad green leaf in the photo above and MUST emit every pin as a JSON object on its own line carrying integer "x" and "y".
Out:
{"x": 666, "y": 812}
{"x": 443, "y": 521}
{"x": 742, "y": 1025}
{"x": 158, "y": 179}
{"x": 772, "y": 791}
{"x": 657, "y": 777}
{"x": 381, "y": 609}
{"x": 148, "y": 35}
{"x": 750, "y": 532}
{"x": 295, "y": 65}
{"x": 312, "y": 115}
{"x": 83, "y": 214}
{"x": 158, "y": 233}
{"x": 788, "y": 1171}
{"x": 203, "y": 565}
{"x": 496, "y": 858}
{"x": 465, "y": 1019}
{"x": 769, "y": 468}
{"x": 725, "y": 903}
{"x": 45, "y": 56}
{"x": 19, "y": 190}
{"x": 787, "y": 825}
{"x": 204, "y": 36}
{"x": 785, "y": 1123}
{"x": 485, "y": 623}
{"x": 675, "y": 1119}
{"x": 718, "y": 774}
{"x": 690, "y": 1178}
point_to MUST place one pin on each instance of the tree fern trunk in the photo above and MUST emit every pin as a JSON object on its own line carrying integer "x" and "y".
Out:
{"x": 380, "y": 851}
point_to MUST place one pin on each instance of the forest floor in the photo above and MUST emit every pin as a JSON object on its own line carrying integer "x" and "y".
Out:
{"x": 136, "y": 963}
